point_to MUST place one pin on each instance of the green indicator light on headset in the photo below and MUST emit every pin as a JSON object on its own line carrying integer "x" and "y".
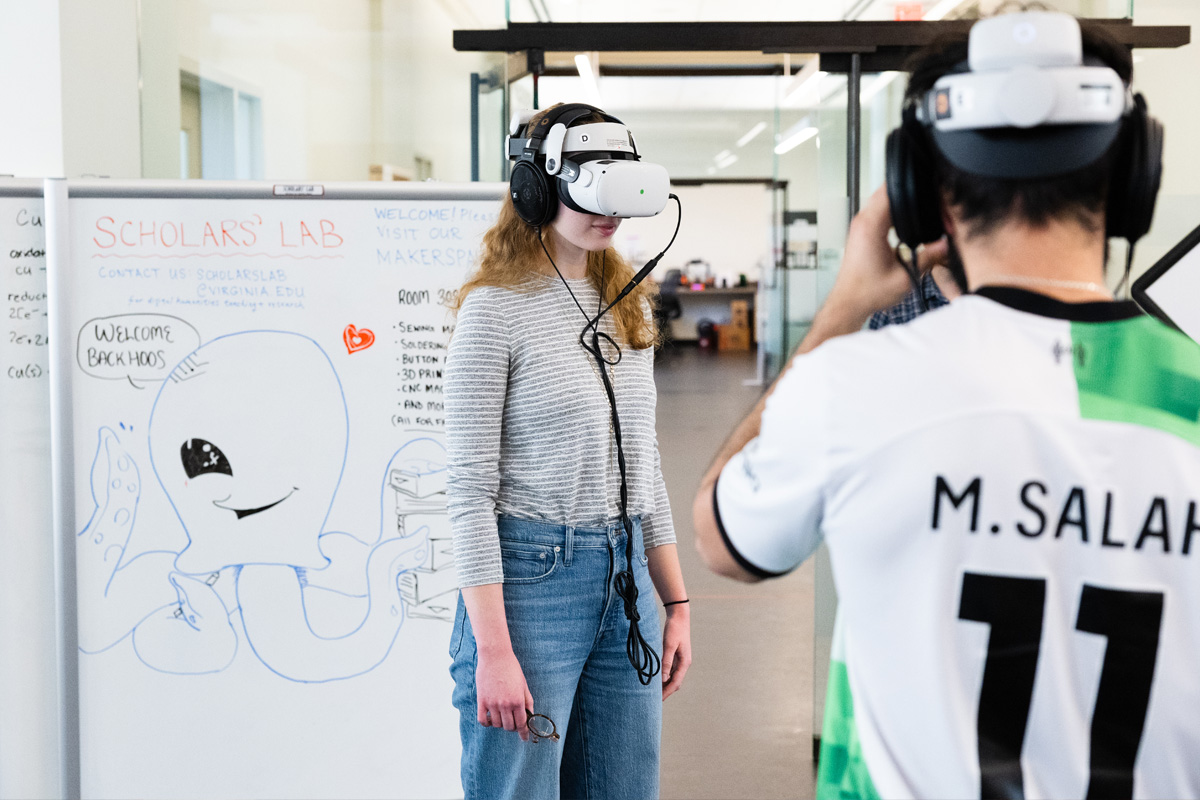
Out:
{"x": 643, "y": 191}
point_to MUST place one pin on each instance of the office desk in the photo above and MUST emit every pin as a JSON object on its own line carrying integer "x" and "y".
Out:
{"x": 712, "y": 304}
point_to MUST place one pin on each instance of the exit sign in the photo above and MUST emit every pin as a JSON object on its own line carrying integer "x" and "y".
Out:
{"x": 909, "y": 12}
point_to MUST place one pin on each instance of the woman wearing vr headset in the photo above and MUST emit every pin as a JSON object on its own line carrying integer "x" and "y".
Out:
{"x": 547, "y": 482}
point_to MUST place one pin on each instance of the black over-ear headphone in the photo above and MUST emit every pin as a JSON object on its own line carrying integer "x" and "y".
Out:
{"x": 916, "y": 205}
{"x": 534, "y": 192}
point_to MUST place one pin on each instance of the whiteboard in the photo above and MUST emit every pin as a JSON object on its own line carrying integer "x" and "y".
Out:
{"x": 1171, "y": 288}
{"x": 29, "y": 672}
{"x": 252, "y": 390}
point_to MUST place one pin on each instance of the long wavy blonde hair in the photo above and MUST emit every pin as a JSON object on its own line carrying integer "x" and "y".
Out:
{"x": 511, "y": 252}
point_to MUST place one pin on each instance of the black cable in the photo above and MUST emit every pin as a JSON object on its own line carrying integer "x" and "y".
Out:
{"x": 913, "y": 271}
{"x": 629, "y": 287}
{"x": 1124, "y": 284}
{"x": 641, "y": 655}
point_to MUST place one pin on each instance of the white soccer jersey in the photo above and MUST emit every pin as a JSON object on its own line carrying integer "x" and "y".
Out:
{"x": 1009, "y": 490}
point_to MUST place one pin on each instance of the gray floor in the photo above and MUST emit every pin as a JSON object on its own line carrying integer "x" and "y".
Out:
{"x": 741, "y": 727}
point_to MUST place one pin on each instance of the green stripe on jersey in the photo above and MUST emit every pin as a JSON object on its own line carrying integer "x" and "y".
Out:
{"x": 1138, "y": 371}
{"x": 843, "y": 773}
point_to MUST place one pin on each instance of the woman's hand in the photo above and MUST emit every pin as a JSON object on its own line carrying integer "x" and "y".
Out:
{"x": 663, "y": 562}
{"x": 677, "y": 648}
{"x": 502, "y": 693}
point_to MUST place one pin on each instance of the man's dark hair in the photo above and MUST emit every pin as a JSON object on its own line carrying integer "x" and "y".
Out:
{"x": 986, "y": 202}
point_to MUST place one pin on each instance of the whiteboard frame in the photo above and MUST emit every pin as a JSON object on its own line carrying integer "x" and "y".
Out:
{"x": 21, "y": 187}
{"x": 266, "y": 190}
{"x": 66, "y": 677}
{"x": 58, "y": 192}
{"x": 1141, "y": 286}
{"x": 62, "y": 486}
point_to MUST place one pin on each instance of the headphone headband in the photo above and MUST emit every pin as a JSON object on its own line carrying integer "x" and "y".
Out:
{"x": 565, "y": 114}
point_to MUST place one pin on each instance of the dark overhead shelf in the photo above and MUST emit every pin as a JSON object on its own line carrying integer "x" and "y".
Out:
{"x": 882, "y": 45}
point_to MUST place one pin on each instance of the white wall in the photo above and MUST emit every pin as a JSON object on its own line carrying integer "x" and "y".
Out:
{"x": 31, "y": 91}
{"x": 440, "y": 121}
{"x": 1168, "y": 80}
{"x": 342, "y": 85}
{"x": 160, "y": 110}
{"x": 70, "y": 89}
{"x": 101, "y": 111}
{"x": 727, "y": 225}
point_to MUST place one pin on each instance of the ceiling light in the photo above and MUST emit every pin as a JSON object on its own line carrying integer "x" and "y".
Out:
{"x": 810, "y": 74}
{"x": 591, "y": 86}
{"x": 722, "y": 154}
{"x": 796, "y": 139}
{"x": 725, "y": 162}
{"x": 750, "y": 134}
{"x": 942, "y": 9}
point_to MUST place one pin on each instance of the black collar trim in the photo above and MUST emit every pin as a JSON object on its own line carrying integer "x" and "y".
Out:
{"x": 1043, "y": 306}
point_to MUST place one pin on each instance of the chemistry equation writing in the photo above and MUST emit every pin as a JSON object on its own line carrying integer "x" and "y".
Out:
{"x": 28, "y": 219}
{"x": 25, "y": 372}
{"x": 26, "y": 270}
{"x": 28, "y": 339}
{"x": 25, "y": 313}
{"x": 25, "y": 304}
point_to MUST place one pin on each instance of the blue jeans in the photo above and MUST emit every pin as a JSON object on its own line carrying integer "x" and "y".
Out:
{"x": 568, "y": 631}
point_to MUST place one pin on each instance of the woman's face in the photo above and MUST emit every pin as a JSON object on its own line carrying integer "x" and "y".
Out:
{"x": 589, "y": 232}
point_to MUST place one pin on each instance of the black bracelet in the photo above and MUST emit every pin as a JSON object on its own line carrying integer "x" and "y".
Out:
{"x": 675, "y": 603}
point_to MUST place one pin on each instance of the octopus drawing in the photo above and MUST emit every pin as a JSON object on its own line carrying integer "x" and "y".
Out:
{"x": 253, "y": 487}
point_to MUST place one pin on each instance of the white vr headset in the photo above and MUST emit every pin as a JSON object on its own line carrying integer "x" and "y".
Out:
{"x": 594, "y": 167}
{"x": 1026, "y": 70}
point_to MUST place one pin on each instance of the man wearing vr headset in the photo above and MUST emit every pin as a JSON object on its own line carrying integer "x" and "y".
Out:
{"x": 557, "y": 504}
{"x": 1011, "y": 521}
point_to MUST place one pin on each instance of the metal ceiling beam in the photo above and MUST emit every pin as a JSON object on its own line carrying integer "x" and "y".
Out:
{"x": 766, "y": 37}
{"x": 673, "y": 71}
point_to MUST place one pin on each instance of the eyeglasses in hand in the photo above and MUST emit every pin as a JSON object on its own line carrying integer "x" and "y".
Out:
{"x": 541, "y": 726}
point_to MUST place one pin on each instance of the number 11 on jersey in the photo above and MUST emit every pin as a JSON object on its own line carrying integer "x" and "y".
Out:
{"x": 1014, "y": 608}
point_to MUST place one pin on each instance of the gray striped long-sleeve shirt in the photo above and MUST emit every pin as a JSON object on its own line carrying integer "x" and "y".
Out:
{"x": 528, "y": 428}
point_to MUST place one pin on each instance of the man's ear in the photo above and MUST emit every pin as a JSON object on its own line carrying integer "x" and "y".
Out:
{"x": 947, "y": 217}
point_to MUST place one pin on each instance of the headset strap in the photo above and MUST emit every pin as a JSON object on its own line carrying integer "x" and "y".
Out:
{"x": 564, "y": 114}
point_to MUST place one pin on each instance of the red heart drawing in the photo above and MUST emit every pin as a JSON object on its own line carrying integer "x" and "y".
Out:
{"x": 356, "y": 339}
